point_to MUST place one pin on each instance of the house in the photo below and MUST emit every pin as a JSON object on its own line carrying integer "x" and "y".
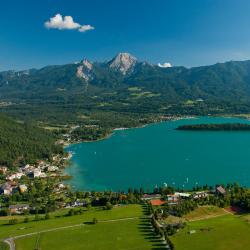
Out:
{"x": 200, "y": 195}
{"x": 148, "y": 197}
{"x": 53, "y": 168}
{"x": 6, "y": 189}
{"x": 14, "y": 176}
{"x": 23, "y": 188}
{"x": 18, "y": 209}
{"x": 182, "y": 195}
{"x": 220, "y": 191}
{"x": 36, "y": 173}
{"x": 3, "y": 169}
{"x": 173, "y": 199}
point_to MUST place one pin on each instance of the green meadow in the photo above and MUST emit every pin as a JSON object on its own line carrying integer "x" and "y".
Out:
{"x": 124, "y": 227}
{"x": 103, "y": 236}
{"x": 226, "y": 232}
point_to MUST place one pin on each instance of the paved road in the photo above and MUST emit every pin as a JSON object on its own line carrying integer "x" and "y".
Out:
{"x": 11, "y": 243}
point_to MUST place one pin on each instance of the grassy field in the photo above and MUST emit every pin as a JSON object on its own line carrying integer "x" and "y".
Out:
{"x": 101, "y": 236}
{"x": 218, "y": 233}
{"x": 60, "y": 221}
{"x": 205, "y": 212}
{"x": 200, "y": 213}
{"x": 3, "y": 246}
{"x": 121, "y": 228}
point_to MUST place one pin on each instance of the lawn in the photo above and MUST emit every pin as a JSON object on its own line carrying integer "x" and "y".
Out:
{"x": 62, "y": 220}
{"x": 3, "y": 246}
{"x": 219, "y": 233}
{"x": 122, "y": 227}
{"x": 101, "y": 236}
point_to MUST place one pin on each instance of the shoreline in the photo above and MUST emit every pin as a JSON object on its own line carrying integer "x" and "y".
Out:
{"x": 113, "y": 131}
{"x": 164, "y": 119}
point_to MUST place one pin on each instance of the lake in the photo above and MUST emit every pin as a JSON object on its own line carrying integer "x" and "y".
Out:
{"x": 157, "y": 154}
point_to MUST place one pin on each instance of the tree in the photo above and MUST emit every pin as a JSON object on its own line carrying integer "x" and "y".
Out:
{"x": 94, "y": 221}
{"x": 108, "y": 206}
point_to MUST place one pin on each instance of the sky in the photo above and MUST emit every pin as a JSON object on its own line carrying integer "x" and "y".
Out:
{"x": 37, "y": 33}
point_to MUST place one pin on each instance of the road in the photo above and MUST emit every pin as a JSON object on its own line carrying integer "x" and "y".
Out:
{"x": 11, "y": 243}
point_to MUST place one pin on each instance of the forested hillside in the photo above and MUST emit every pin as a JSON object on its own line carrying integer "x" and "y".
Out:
{"x": 24, "y": 143}
{"x": 124, "y": 86}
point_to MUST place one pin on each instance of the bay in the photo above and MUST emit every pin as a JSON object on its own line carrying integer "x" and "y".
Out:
{"x": 160, "y": 155}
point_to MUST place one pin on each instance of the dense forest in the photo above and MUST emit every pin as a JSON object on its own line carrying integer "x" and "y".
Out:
{"x": 216, "y": 127}
{"x": 24, "y": 143}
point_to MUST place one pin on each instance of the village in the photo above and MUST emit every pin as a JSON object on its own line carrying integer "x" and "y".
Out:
{"x": 19, "y": 181}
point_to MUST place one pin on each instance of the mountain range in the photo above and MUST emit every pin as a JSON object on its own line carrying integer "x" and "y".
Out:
{"x": 125, "y": 84}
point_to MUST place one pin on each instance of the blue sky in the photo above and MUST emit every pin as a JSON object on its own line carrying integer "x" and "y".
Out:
{"x": 183, "y": 32}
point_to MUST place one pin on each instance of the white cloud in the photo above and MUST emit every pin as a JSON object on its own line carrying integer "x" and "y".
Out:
{"x": 165, "y": 65}
{"x": 86, "y": 28}
{"x": 66, "y": 23}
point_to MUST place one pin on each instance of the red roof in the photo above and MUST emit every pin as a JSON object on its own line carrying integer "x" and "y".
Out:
{"x": 157, "y": 202}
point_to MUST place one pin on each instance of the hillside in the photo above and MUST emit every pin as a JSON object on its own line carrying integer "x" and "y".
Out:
{"x": 124, "y": 85}
{"x": 24, "y": 143}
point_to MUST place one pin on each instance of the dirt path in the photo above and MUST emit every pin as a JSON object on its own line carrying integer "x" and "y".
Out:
{"x": 11, "y": 243}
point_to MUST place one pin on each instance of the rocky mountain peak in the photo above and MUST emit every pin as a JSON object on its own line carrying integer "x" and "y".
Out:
{"x": 123, "y": 62}
{"x": 87, "y": 64}
{"x": 84, "y": 70}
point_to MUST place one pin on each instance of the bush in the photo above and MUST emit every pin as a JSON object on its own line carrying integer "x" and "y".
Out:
{"x": 94, "y": 221}
{"x": 47, "y": 216}
{"x": 71, "y": 212}
{"x": 3, "y": 212}
{"x": 26, "y": 220}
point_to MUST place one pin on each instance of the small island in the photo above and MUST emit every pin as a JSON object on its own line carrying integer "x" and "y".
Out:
{"x": 216, "y": 127}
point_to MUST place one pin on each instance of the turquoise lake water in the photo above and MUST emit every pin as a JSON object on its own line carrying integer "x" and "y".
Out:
{"x": 158, "y": 154}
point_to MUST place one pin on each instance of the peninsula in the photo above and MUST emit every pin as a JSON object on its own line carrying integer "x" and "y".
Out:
{"x": 216, "y": 127}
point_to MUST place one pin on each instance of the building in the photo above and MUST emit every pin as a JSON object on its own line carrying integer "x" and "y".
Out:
{"x": 182, "y": 195}
{"x": 220, "y": 191}
{"x": 23, "y": 188}
{"x": 200, "y": 195}
{"x": 18, "y": 209}
{"x": 37, "y": 173}
{"x": 3, "y": 169}
{"x": 148, "y": 197}
{"x": 173, "y": 199}
{"x": 15, "y": 176}
{"x": 6, "y": 189}
{"x": 53, "y": 168}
